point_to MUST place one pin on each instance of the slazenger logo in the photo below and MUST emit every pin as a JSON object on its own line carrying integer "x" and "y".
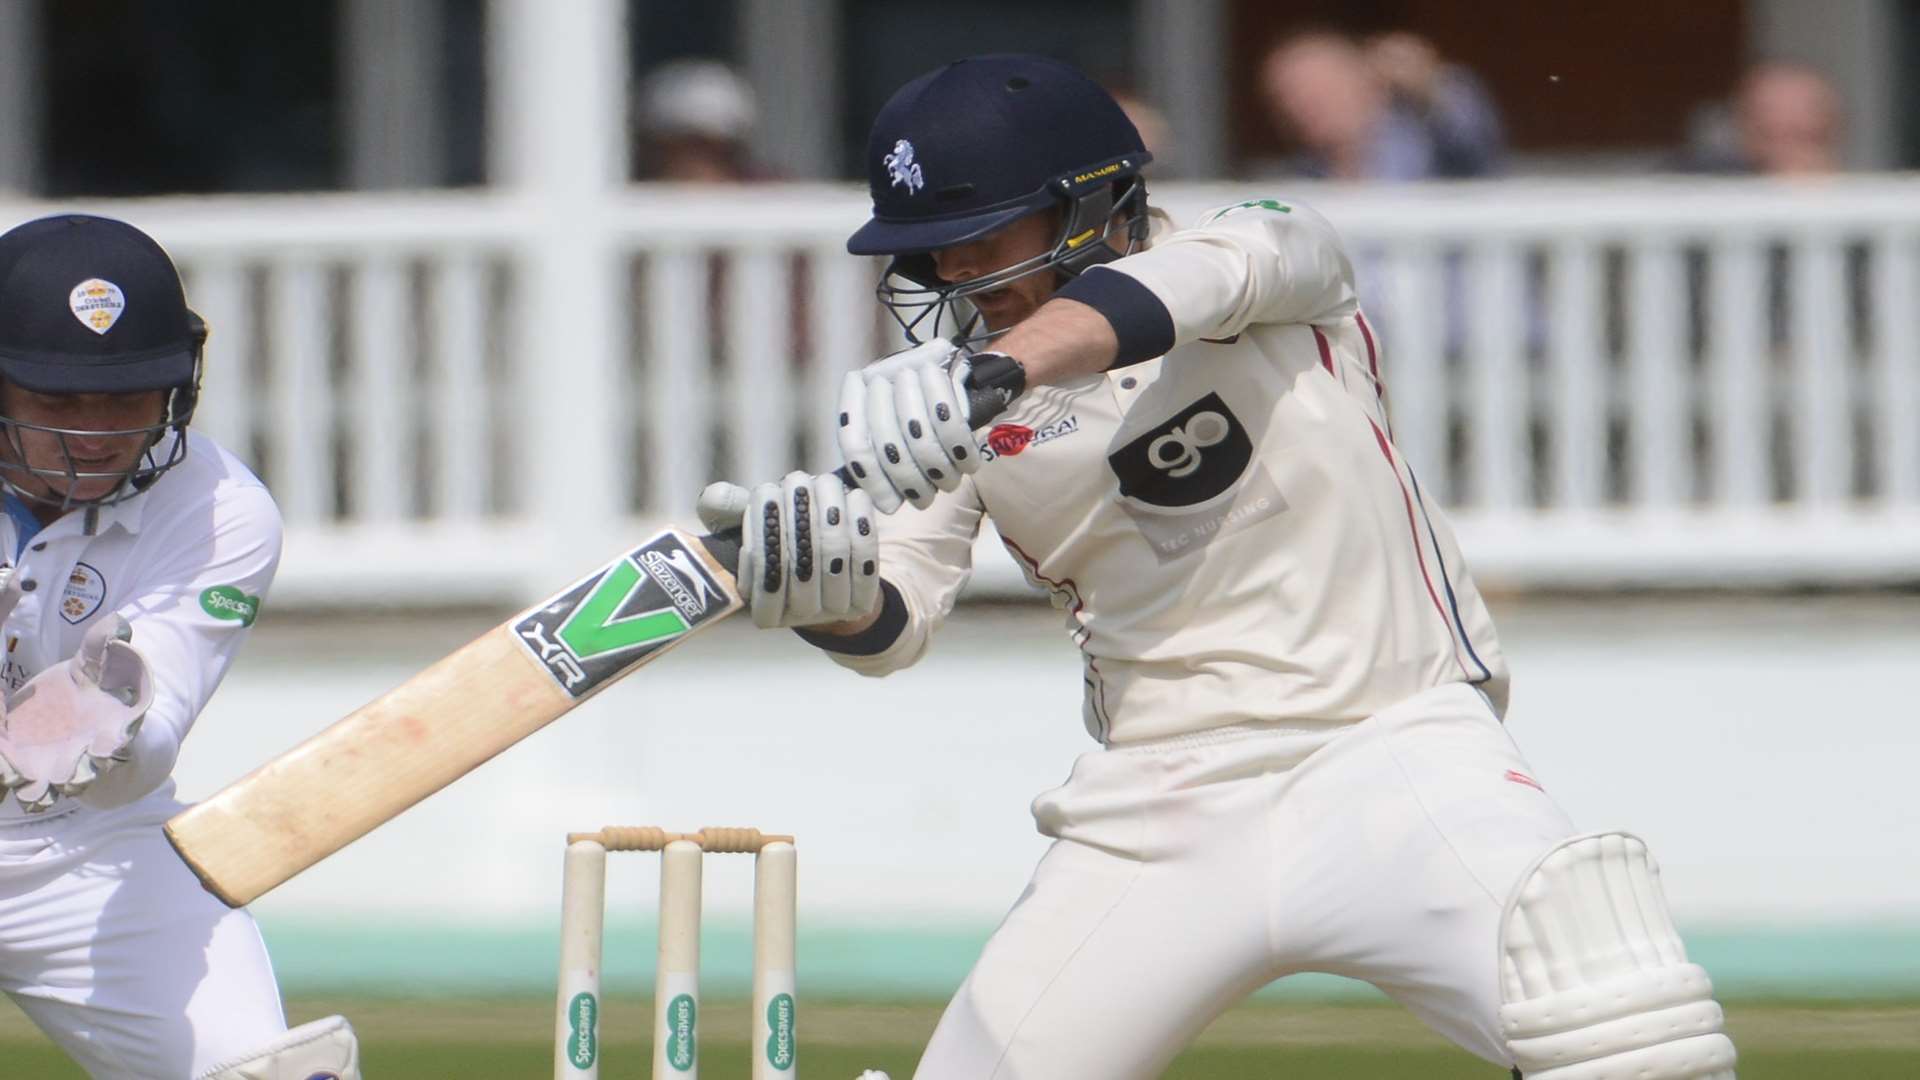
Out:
{"x": 1006, "y": 440}
{"x": 635, "y": 606}
{"x": 668, "y": 570}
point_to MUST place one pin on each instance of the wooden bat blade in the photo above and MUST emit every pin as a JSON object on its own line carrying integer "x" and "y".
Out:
{"x": 439, "y": 725}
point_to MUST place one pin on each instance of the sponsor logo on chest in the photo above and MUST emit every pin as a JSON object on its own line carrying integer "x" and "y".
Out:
{"x": 1008, "y": 440}
{"x": 1188, "y": 459}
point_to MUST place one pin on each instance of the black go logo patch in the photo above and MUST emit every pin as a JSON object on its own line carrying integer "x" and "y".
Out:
{"x": 1193, "y": 457}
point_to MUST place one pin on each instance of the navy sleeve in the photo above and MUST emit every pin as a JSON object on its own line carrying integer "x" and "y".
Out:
{"x": 1139, "y": 319}
{"x": 874, "y": 639}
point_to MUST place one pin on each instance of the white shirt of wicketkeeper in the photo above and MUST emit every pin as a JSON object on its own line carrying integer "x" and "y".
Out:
{"x": 61, "y": 451}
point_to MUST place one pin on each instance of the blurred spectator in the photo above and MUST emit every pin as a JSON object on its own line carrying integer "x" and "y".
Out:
{"x": 694, "y": 119}
{"x": 1151, "y": 123}
{"x": 1785, "y": 119}
{"x": 1392, "y": 109}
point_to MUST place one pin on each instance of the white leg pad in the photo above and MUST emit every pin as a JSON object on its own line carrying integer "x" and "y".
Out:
{"x": 322, "y": 1050}
{"x": 1594, "y": 981}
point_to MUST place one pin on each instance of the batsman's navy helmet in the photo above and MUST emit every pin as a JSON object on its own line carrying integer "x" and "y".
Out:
{"x": 981, "y": 142}
{"x": 91, "y": 305}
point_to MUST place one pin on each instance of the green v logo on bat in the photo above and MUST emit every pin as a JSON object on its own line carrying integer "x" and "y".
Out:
{"x": 597, "y": 627}
{"x": 612, "y": 619}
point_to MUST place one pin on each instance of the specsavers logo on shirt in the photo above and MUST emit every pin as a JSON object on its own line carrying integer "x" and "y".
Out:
{"x": 229, "y": 603}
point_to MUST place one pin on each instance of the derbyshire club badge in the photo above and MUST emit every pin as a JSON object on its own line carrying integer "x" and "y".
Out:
{"x": 97, "y": 303}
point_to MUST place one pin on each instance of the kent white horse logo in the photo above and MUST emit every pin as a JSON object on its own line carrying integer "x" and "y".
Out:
{"x": 902, "y": 168}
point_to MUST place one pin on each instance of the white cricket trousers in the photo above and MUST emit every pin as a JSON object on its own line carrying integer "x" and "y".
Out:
{"x": 110, "y": 945}
{"x": 1189, "y": 872}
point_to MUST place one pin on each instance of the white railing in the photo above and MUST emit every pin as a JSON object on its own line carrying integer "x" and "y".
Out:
{"x": 1652, "y": 383}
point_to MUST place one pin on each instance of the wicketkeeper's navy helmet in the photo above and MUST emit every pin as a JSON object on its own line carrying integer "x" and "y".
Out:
{"x": 92, "y": 305}
{"x": 982, "y": 142}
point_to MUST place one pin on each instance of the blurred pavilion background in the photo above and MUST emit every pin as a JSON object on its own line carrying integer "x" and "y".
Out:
{"x": 491, "y": 280}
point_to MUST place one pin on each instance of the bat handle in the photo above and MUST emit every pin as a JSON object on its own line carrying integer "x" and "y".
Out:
{"x": 724, "y": 546}
{"x": 983, "y": 404}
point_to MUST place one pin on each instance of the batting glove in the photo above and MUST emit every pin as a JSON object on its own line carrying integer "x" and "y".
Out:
{"x": 906, "y": 422}
{"x": 809, "y": 552}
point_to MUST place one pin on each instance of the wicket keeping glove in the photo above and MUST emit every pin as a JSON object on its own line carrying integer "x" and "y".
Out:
{"x": 76, "y": 719}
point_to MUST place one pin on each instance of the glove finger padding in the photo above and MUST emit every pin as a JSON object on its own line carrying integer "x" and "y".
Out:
{"x": 836, "y": 551}
{"x": 889, "y": 443}
{"x": 914, "y": 393}
{"x": 948, "y": 415}
{"x": 856, "y": 446}
{"x": 863, "y": 545}
{"x": 809, "y": 552}
{"x": 801, "y": 549}
{"x": 762, "y": 546}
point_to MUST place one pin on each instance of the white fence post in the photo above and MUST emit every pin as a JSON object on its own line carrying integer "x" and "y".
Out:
{"x": 1896, "y": 342}
{"x": 217, "y": 289}
{"x": 1413, "y": 347}
{"x": 1577, "y": 425}
{"x": 1659, "y": 399}
{"x": 678, "y": 393}
{"x": 1741, "y": 367}
{"x": 1823, "y": 371}
{"x": 459, "y": 413}
{"x": 299, "y": 435}
{"x": 556, "y": 134}
{"x": 1496, "y": 375}
{"x": 379, "y": 410}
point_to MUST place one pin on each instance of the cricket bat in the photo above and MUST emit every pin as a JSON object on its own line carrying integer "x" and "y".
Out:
{"x": 500, "y": 688}
{"x": 439, "y": 725}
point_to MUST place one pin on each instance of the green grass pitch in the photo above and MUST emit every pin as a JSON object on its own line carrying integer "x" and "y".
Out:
{"x": 483, "y": 1040}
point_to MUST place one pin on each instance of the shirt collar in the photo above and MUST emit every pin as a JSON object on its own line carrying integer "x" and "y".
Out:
{"x": 128, "y": 513}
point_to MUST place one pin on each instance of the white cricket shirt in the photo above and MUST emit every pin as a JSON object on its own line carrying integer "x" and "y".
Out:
{"x": 187, "y": 563}
{"x": 1229, "y": 527}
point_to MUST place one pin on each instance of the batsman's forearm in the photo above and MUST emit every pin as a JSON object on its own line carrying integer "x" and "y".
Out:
{"x": 849, "y": 628}
{"x": 867, "y": 635}
{"x": 1062, "y": 341}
